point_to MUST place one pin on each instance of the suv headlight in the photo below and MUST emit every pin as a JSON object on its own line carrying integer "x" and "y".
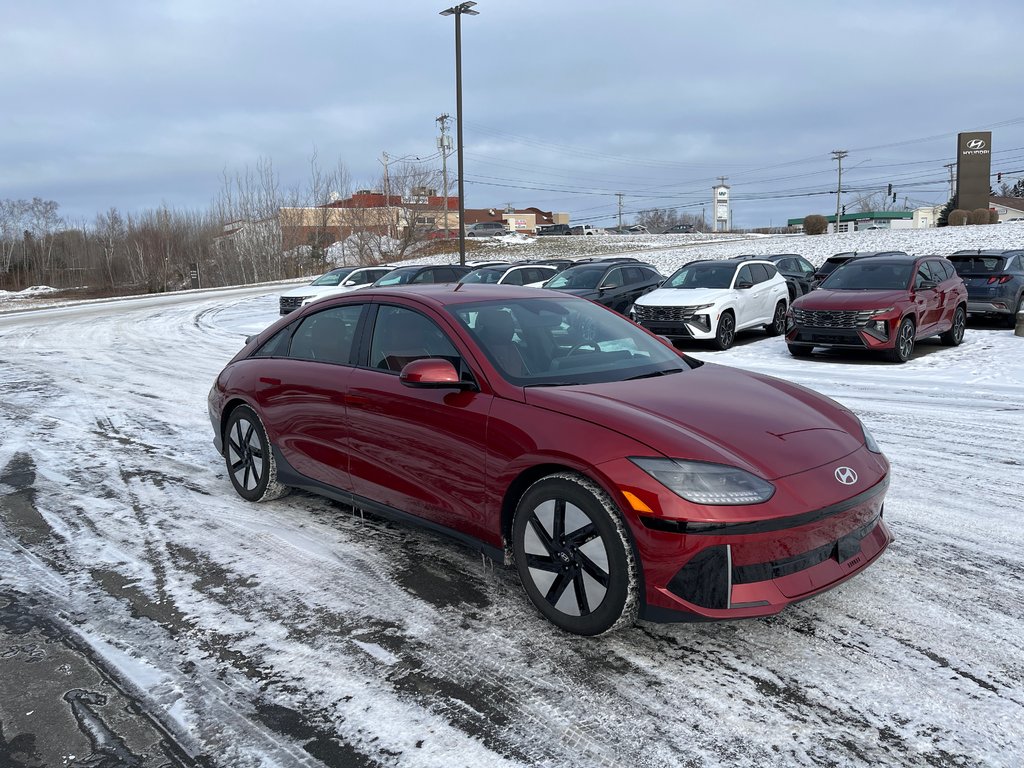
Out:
{"x": 704, "y": 483}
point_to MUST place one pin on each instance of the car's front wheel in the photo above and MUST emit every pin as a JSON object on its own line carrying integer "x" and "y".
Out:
{"x": 778, "y": 324}
{"x": 903, "y": 346}
{"x": 725, "y": 334}
{"x": 249, "y": 458}
{"x": 573, "y": 555}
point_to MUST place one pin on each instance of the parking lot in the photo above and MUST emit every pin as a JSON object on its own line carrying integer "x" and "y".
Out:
{"x": 299, "y": 632}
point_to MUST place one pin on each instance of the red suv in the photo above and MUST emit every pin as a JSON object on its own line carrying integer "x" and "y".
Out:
{"x": 620, "y": 477}
{"x": 885, "y": 303}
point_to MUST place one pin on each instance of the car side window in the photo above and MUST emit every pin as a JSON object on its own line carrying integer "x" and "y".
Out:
{"x": 614, "y": 279}
{"x": 402, "y": 335}
{"x": 745, "y": 275}
{"x": 515, "y": 277}
{"x": 425, "y": 276}
{"x": 276, "y": 345}
{"x": 947, "y": 269}
{"x": 804, "y": 266}
{"x": 921, "y": 276}
{"x": 761, "y": 273}
{"x": 327, "y": 336}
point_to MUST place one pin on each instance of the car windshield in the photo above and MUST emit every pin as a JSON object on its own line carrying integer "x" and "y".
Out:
{"x": 870, "y": 275}
{"x": 334, "y": 277}
{"x": 577, "y": 277}
{"x": 704, "y": 274}
{"x": 562, "y": 342}
{"x": 489, "y": 276}
{"x": 977, "y": 265}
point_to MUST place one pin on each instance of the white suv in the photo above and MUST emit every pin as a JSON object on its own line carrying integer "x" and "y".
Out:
{"x": 715, "y": 299}
{"x": 340, "y": 280}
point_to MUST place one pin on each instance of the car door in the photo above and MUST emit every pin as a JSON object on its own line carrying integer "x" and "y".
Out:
{"x": 949, "y": 296}
{"x": 300, "y": 392}
{"x": 927, "y": 300}
{"x": 746, "y": 299}
{"x": 614, "y": 293}
{"x": 420, "y": 451}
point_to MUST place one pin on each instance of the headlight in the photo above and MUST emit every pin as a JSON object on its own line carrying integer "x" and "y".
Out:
{"x": 700, "y": 307}
{"x": 703, "y": 483}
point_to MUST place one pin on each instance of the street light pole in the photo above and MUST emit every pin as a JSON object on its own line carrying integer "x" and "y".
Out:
{"x": 457, "y": 11}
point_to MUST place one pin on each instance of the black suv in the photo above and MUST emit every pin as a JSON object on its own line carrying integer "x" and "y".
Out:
{"x": 795, "y": 268}
{"x": 553, "y": 229}
{"x": 832, "y": 262}
{"x": 614, "y": 283}
{"x": 994, "y": 280}
{"x": 423, "y": 273}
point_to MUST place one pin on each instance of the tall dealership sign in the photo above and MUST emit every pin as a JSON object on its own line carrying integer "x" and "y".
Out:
{"x": 722, "y": 210}
{"x": 973, "y": 170}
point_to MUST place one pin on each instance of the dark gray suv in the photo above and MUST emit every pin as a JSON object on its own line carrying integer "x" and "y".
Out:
{"x": 994, "y": 280}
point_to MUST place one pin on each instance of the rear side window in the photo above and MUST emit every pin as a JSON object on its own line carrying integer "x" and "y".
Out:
{"x": 327, "y": 336}
{"x": 276, "y": 345}
{"x": 760, "y": 272}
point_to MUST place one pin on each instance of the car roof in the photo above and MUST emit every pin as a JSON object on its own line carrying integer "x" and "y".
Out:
{"x": 864, "y": 254}
{"x": 448, "y": 294}
{"x": 991, "y": 252}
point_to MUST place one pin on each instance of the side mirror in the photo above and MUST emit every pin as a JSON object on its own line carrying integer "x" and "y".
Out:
{"x": 432, "y": 373}
{"x": 607, "y": 287}
{"x": 744, "y": 285}
{"x": 927, "y": 285}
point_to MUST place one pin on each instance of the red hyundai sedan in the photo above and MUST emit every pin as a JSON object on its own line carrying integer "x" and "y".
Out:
{"x": 620, "y": 477}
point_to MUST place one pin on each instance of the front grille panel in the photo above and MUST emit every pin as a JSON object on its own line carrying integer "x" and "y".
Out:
{"x": 662, "y": 314}
{"x": 827, "y": 318}
{"x": 290, "y": 303}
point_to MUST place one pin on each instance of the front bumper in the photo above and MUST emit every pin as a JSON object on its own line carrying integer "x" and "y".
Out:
{"x": 754, "y": 561}
{"x": 674, "y": 324}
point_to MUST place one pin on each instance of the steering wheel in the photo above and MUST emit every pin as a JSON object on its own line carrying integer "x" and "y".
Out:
{"x": 583, "y": 344}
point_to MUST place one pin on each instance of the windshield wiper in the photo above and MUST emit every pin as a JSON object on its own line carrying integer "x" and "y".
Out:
{"x": 652, "y": 374}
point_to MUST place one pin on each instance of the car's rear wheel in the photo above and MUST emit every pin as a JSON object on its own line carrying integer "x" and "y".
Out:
{"x": 800, "y": 350}
{"x": 249, "y": 458}
{"x": 1011, "y": 321}
{"x": 955, "y": 335}
{"x": 572, "y": 551}
{"x": 778, "y": 324}
{"x": 903, "y": 346}
{"x": 725, "y": 334}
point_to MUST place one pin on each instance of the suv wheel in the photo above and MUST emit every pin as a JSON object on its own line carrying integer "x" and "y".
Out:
{"x": 725, "y": 334}
{"x": 778, "y": 324}
{"x": 903, "y": 347}
{"x": 955, "y": 334}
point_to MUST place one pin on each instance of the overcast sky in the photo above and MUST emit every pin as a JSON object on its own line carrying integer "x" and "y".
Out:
{"x": 133, "y": 104}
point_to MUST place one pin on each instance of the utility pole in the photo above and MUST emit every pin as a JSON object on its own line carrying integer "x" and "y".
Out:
{"x": 619, "y": 195}
{"x": 387, "y": 192}
{"x": 839, "y": 154}
{"x": 950, "y": 166}
{"x": 444, "y": 143}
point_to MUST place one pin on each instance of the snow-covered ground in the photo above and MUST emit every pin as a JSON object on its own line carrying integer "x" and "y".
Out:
{"x": 299, "y": 633}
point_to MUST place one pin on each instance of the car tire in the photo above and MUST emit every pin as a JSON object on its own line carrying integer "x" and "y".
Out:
{"x": 955, "y": 335}
{"x": 778, "y": 324}
{"x": 903, "y": 346}
{"x": 800, "y": 350}
{"x": 249, "y": 457}
{"x": 584, "y": 580}
{"x": 725, "y": 333}
{"x": 1011, "y": 321}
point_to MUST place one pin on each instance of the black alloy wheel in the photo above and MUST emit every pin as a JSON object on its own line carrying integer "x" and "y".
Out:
{"x": 573, "y": 555}
{"x": 725, "y": 334}
{"x": 249, "y": 458}
{"x": 955, "y": 335}
{"x": 903, "y": 346}
{"x": 778, "y": 324}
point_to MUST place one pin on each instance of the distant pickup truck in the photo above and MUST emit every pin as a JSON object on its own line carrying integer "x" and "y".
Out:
{"x": 585, "y": 229}
{"x": 553, "y": 229}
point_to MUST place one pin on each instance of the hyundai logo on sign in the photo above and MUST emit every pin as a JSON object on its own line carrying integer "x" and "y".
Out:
{"x": 846, "y": 476}
{"x": 976, "y": 144}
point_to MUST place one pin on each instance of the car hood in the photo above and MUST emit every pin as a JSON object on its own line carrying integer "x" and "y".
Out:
{"x": 716, "y": 414}
{"x": 683, "y": 297}
{"x": 825, "y": 299}
{"x": 310, "y": 290}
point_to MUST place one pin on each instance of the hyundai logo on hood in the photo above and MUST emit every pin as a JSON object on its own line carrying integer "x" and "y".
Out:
{"x": 846, "y": 476}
